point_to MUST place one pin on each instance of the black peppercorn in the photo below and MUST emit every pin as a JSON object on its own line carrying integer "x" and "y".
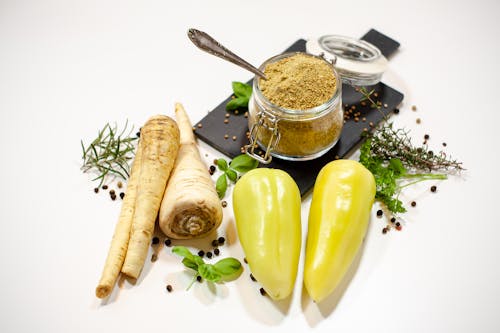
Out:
{"x": 168, "y": 242}
{"x": 426, "y": 137}
{"x": 262, "y": 291}
{"x": 433, "y": 188}
{"x": 215, "y": 243}
{"x": 169, "y": 288}
{"x": 384, "y": 231}
{"x": 201, "y": 253}
{"x": 245, "y": 260}
{"x": 155, "y": 240}
{"x": 209, "y": 255}
{"x": 393, "y": 219}
{"x": 216, "y": 252}
{"x": 252, "y": 277}
{"x": 396, "y": 111}
{"x": 413, "y": 203}
{"x": 122, "y": 195}
{"x": 198, "y": 278}
{"x": 104, "y": 187}
{"x": 221, "y": 240}
{"x": 380, "y": 212}
{"x": 96, "y": 190}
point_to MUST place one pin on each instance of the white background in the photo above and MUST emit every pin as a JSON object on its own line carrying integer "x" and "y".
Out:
{"x": 68, "y": 67}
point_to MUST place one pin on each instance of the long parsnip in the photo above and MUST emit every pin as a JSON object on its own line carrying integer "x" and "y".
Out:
{"x": 190, "y": 207}
{"x": 160, "y": 145}
{"x": 119, "y": 243}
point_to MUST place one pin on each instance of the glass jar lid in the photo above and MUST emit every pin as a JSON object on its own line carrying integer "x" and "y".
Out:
{"x": 358, "y": 62}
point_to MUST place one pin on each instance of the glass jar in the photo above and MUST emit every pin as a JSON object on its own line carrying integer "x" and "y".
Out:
{"x": 290, "y": 134}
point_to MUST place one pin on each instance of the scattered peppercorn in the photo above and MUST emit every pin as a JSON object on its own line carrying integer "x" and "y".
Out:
{"x": 384, "y": 231}
{"x": 398, "y": 224}
{"x": 122, "y": 195}
{"x": 418, "y": 120}
{"x": 119, "y": 184}
{"x": 216, "y": 252}
{"x": 414, "y": 108}
{"x": 224, "y": 204}
{"x": 393, "y": 219}
{"x": 396, "y": 111}
{"x": 444, "y": 144}
{"x": 154, "y": 257}
{"x": 112, "y": 192}
{"x": 221, "y": 240}
{"x": 380, "y": 212}
{"x": 413, "y": 203}
{"x": 198, "y": 278}
{"x": 211, "y": 170}
{"x": 209, "y": 254}
{"x": 226, "y": 121}
{"x": 215, "y": 243}
{"x": 234, "y": 138}
{"x": 96, "y": 190}
{"x": 113, "y": 197}
{"x": 426, "y": 137}
{"x": 138, "y": 134}
{"x": 433, "y": 188}
{"x": 155, "y": 240}
{"x": 262, "y": 292}
{"x": 245, "y": 260}
{"x": 227, "y": 115}
{"x": 169, "y": 288}
{"x": 104, "y": 187}
{"x": 252, "y": 277}
{"x": 201, "y": 253}
{"x": 168, "y": 242}
{"x": 226, "y": 136}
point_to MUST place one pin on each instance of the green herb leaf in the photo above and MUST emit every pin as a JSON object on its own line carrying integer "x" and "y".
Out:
{"x": 241, "y": 89}
{"x": 209, "y": 273}
{"x": 227, "y": 266}
{"x": 232, "y": 175}
{"x": 190, "y": 264}
{"x": 221, "y": 185}
{"x": 243, "y": 163}
{"x": 237, "y": 103}
{"x": 183, "y": 252}
{"x": 222, "y": 164}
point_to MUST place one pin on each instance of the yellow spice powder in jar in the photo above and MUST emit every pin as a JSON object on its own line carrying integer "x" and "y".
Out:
{"x": 298, "y": 82}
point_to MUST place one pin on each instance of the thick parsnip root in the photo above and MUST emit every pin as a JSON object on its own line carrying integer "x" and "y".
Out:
{"x": 190, "y": 206}
{"x": 119, "y": 243}
{"x": 160, "y": 145}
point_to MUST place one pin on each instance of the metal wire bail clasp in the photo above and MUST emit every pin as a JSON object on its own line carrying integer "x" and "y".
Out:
{"x": 270, "y": 125}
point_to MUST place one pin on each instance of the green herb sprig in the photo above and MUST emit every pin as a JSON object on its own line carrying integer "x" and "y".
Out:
{"x": 395, "y": 163}
{"x": 242, "y": 93}
{"x": 226, "y": 269}
{"x": 109, "y": 153}
{"x": 367, "y": 96}
{"x": 232, "y": 171}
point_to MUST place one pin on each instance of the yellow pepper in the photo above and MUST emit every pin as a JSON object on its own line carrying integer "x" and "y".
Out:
{"x": 266, "y": 205}
{"x": 338, "y": 219}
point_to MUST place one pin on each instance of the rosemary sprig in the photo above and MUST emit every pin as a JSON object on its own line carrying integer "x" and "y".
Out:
{"x": 109, "y": 153}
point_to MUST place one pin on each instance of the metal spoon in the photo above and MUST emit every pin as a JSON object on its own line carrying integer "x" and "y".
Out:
{"x": 203, "y": 41}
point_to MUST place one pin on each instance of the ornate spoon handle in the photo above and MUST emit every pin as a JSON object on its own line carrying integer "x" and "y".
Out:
{"x": 203, "y": 41}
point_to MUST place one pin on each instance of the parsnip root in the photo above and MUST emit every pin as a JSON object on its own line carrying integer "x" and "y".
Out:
{"x": 150, "y": 171}
{"x": 190, "y": 207}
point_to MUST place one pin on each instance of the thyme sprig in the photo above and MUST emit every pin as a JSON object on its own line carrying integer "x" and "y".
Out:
{"x": 395, "y": 163}
{"x": 109, "y": 153}
{"x": 367, "y": 96}
{"x": 388, "y": 142}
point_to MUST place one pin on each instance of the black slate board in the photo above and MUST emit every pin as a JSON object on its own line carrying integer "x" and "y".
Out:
{"x": 213, "y": 129}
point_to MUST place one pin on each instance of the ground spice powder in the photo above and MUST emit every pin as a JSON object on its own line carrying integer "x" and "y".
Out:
{"x": 298, "y": 82}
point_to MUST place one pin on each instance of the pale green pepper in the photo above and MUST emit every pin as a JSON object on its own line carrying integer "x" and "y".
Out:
{"x": 266, "y": 205}
{"x": 338, "y": 219}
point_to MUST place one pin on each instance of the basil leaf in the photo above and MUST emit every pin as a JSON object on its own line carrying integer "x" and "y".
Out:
{"x": 227, "y": 266}
{"x": 237, "y": 103}
{"x": 232, "y": 175}
{"x": 183, "y": 252}
{"x": 243, "y": 163}
{"x": 241, "y": 89}
{"x": 190, "y": 264}
{"x": 222, "y": 164}
{"x": 209, "y": 273}
{"x": 198, "y": 260}
{"x": 221, "y": 185}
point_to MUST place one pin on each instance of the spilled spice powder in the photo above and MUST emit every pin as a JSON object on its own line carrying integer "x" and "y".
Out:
{"x": 298, "y": 82}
